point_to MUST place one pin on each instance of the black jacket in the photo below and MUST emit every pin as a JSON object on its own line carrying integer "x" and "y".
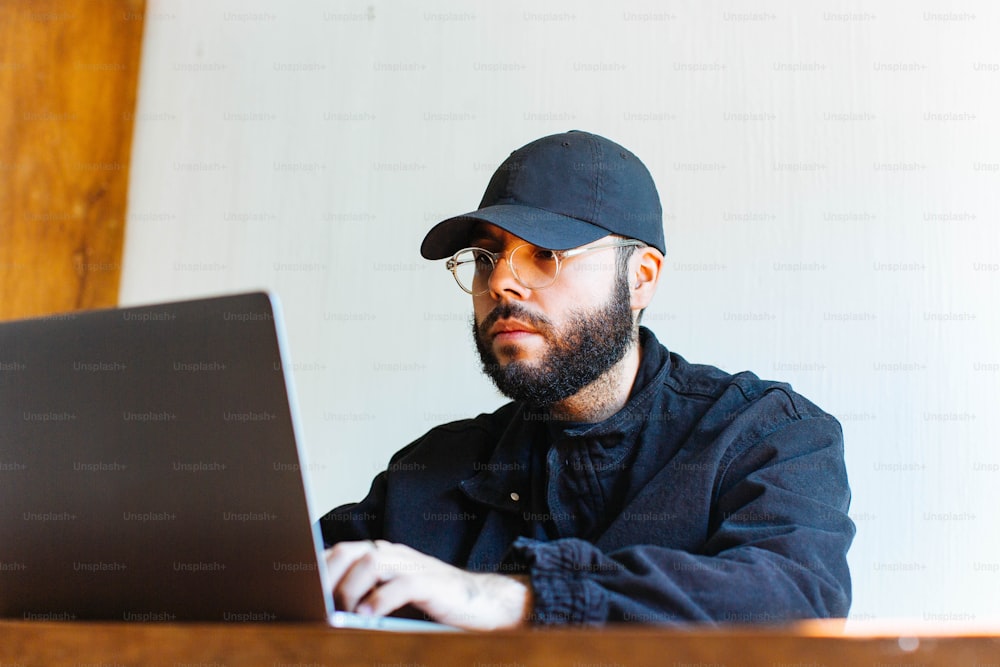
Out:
{"x": 708, "y": 497}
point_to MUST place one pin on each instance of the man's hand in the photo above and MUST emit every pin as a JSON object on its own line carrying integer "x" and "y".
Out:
{"x": 380, "y": 577}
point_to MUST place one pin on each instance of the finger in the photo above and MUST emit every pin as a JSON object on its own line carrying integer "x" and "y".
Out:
{"x": 358, "y": 582}
{"x": 393, "y": 595}
{"x": 341, "y": 557}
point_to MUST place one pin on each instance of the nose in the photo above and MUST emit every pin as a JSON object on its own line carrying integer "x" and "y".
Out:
{"x": 502, "y": 282}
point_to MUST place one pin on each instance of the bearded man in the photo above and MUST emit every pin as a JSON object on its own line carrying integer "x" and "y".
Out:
{"x": 622, "y": 483}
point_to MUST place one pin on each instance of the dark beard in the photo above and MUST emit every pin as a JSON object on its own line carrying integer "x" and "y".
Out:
{"x": 590, "y": 343}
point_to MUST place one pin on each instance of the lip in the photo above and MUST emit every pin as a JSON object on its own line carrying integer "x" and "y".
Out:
{"x": 511, "y": 328}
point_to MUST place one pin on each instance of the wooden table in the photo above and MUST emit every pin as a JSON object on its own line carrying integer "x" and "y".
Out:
{"x": 26, "y": 643}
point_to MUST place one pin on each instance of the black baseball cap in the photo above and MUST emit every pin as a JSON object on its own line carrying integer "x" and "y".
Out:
{"x": 560, "y": 192}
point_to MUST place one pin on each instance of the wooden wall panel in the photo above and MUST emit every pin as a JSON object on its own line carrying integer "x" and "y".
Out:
{"x": 68, "y": 78}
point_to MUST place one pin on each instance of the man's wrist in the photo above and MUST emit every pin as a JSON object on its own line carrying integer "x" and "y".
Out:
{"x": 510, "y": 597}
{"x": 522, "y": 598}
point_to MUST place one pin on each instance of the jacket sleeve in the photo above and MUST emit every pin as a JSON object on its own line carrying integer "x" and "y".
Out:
{"x": 356, "y": 521}
{"x": 364, "y": 520}
{"x": 775, "y": 548}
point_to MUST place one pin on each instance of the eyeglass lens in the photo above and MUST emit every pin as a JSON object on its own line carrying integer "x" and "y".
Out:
{"x": 532, "y": 267}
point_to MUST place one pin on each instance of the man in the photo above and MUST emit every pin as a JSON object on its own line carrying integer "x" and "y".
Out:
{"x": 621, "y": 483}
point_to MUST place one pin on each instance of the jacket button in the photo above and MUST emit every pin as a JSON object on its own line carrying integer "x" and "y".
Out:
{"x": 515, "y": 496}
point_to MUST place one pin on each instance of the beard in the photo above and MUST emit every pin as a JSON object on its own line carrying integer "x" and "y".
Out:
{"x": 581, "y": 351}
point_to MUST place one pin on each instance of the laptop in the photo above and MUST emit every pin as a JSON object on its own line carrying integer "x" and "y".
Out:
{"x": 151, "y": 470}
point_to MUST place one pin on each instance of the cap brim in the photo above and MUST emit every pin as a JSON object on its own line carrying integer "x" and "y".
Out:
{"x": 536, "y": 226}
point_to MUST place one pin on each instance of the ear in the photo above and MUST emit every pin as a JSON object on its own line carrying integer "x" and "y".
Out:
{"x": 644, "y": 274}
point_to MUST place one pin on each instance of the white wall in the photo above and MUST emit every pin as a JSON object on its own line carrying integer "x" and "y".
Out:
{"x": 829, "y": 174}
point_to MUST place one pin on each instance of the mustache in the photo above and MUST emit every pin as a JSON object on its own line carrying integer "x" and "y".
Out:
{"x": 517, "y": 312}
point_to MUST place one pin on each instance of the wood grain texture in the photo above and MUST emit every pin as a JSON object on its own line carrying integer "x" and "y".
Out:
{"x": 68, "y": 79}
{"x": 70, "y": 643}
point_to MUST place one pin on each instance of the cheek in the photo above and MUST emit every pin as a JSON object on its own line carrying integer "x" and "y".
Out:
{"x": 594, "y": 277}
{"x": 587, "y": 289}
{"x": 482, "y": 306}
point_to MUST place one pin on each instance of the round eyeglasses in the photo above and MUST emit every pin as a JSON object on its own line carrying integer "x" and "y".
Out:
{"x": 532, "y": 267}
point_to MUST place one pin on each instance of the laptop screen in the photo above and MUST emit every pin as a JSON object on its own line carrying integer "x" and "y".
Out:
{"x": 149, "y": 468}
